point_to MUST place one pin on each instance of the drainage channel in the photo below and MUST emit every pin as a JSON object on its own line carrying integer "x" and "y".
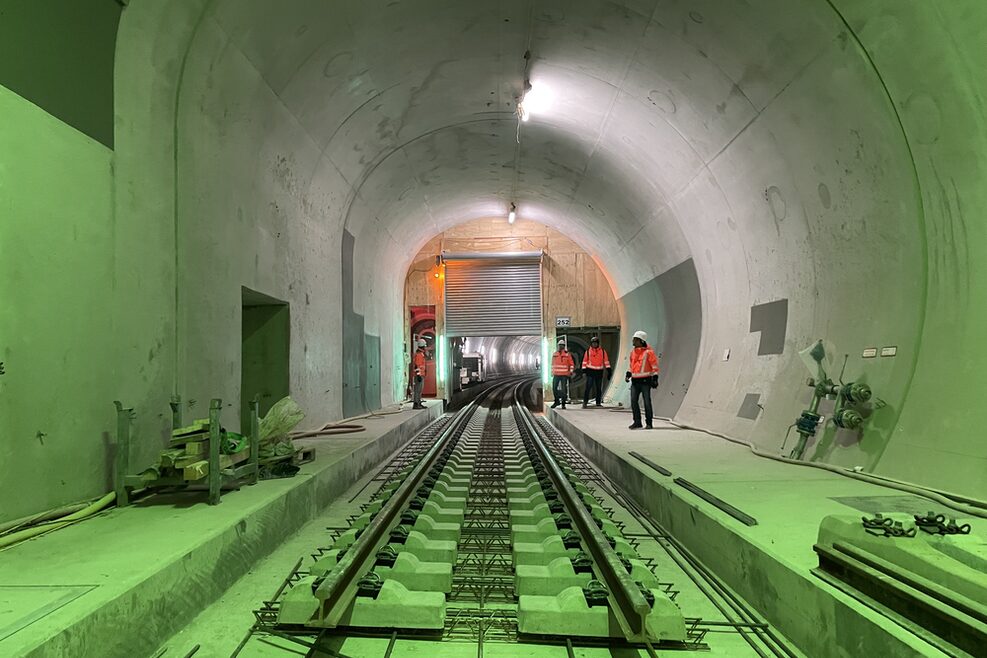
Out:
{"x": 489, "y": 529}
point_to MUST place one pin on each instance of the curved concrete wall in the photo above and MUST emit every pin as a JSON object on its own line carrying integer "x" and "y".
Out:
{"x": 818, "y": 171}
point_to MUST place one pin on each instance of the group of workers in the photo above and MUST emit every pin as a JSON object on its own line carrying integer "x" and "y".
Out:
{"x": 642, "y": 375}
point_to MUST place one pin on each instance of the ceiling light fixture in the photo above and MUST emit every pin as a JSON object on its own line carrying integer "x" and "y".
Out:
{"x": 511, "y": 216}
{"x": 523, "y": 111}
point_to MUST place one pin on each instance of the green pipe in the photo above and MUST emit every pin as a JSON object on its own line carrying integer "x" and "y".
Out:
{"x": 40, "y": 517}
{"x": 91, "y": 509}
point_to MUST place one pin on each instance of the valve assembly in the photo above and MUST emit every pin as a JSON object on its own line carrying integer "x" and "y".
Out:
{"x": 850, "y": 400}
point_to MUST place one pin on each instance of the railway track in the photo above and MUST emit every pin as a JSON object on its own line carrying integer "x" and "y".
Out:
{"x": 489, "y": 528}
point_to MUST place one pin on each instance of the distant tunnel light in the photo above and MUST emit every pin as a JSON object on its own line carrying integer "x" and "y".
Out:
{"x": 442, "y": 359}
{"x": 544, "y": 360}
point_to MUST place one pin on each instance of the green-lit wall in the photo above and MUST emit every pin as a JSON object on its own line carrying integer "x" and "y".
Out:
{"x": 931, "y": 56}
{"x": 59, "y": 55}
{"x": 122, "y": 270}
{"x": 56, "y": 310}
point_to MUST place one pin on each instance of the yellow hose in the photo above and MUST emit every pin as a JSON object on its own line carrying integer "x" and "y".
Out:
{"x": 28, "y": 533}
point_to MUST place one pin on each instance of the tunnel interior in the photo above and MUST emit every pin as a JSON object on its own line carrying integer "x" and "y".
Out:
{"x": 716, "y": 162}
{"x": 786, "y": 195}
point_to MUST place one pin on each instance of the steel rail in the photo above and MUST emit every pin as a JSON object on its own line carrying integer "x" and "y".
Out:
{"x": 628, "y": 604}
{"x": 339, "y": 588}
{"x": 705, "y": 580}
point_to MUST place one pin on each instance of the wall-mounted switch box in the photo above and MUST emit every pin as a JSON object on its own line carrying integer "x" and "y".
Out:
{"x": 726, "y": 354}
{"x": 869, "y": 353}
{"x": 889, "y": 351}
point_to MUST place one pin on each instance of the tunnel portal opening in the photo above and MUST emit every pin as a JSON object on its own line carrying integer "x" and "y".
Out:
{"x": 495, "y": 290}
{"x": 477, "y": 363}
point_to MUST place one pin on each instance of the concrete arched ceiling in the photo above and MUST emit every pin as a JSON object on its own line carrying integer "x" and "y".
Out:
{"x": 413, "y": 104}
{"x": 755, "y": 144}
{"x": 751, "y": 142}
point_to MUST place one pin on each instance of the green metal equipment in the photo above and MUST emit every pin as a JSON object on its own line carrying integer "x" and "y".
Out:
{"x": 175, "y": 468}
{"x": 850, "y": 400}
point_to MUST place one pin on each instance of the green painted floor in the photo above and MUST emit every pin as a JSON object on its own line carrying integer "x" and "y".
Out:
{"x": 63, "y": 583}
{"x": 220, "y": 628}
{"x": 771, "y": 562}
{"x": 788, "y": 501}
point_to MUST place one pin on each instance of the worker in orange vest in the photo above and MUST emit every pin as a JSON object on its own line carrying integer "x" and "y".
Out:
{"x": 643, "y": 376}
{"x": 562, "y": 368}
{"x": 418, "y": 363}
{"x": 595, "y": 362}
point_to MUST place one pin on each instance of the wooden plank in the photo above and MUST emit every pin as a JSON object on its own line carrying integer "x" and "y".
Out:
{"x": 304, "y": 456}
{"x": 196, "y": 471}
{"x": 197, "y": 447}
{"x": 198, "y": 468}
{"x": 178, "y": 441}
{"x": 169, "y": 457}
{"x": 196, "y": 427}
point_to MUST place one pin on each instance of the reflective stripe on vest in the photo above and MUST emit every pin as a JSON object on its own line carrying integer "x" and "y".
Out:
{"x": 644, "y": 363}
{"x": 596, "y": 358}
{"x": 562, "y": 364}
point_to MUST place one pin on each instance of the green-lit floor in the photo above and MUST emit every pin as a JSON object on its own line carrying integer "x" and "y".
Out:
{"x": 770, "y": 563}
{"x": 220, "y": 628}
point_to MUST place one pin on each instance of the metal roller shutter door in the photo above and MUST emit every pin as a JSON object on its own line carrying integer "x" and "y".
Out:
{"x": 493, "y": 295}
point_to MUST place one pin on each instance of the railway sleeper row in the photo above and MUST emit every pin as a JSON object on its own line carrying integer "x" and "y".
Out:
{"x": 457, "y": 553}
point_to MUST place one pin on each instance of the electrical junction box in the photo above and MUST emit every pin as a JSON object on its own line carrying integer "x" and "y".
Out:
{"x": 869, "y": 353}
{"x": 726, "y": 354}
{"x": 889, "y": 351}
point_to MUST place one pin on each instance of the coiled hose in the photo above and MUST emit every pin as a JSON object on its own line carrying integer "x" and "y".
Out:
{"x": 345, "y": 426}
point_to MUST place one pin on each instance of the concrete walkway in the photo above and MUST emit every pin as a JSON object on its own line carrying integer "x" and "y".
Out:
{"x": 120, "y": 583}
{"x": 768, "y": 563}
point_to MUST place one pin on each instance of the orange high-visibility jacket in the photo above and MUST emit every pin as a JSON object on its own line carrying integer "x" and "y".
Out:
{"x": 596, "y": 358}
{"x": 562, "y": 364}
{"x": 644, "y": 363}
{"x": 419, "y": 362}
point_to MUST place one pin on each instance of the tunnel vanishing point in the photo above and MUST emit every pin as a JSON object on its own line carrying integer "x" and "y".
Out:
{"x": 751, "y": 178}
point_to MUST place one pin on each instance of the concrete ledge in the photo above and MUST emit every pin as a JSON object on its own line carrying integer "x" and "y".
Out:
{"x": 819, "y": 619}
{"x": 152, "y": 568}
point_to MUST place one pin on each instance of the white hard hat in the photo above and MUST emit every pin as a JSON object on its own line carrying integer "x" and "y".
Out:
{"x": 421, "y": 342}
{"x": 642, "y": 335}
{"x": 561, "y": 341}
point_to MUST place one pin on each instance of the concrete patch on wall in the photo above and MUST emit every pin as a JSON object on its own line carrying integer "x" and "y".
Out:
{"x": 359, "y": 352}
{"x": 750, "y": 408}
{"x": 771, "y": 320}
{"x": 670, "y": 302}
